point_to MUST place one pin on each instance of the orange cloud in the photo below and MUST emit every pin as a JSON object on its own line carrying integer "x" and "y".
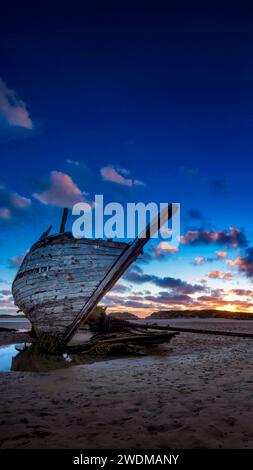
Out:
{"x": 165, "y": 246}
{"x": 227, "y": 276}
{"x": 61, "y": 192}
{"x": 163, "y": 249}
{"x": 221, "y": 254}
{"x": 230, "y": 263}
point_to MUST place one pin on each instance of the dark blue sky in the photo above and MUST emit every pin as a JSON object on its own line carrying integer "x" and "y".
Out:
{"x": 163, "y": 92}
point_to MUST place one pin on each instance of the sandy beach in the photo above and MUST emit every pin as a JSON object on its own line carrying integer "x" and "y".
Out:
{"x": 195, "y": 392}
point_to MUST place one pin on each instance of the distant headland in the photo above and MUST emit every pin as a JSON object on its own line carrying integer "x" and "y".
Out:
{"x": 172, "y": 314}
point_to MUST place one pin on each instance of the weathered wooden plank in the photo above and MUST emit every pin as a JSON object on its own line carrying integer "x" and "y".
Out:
{"x": 58, "y": 261}
{"x": 47, "y": 259}
{"x": 77, "y": 245}
{"x": 68, "y": 273}
{"x": 63, "y": 240}
{"x": 59, "y": 290}
{"x": 57, "y": 287}
{"x": 43, "y": 253}
{"x": 60, "y": 295}
{"x": 57, "y": 278}
{"x": 60, "y": 280}
{"x": 88, "y": 253}
{"x": 67, "y": 263}
{"x": 52, "y": 291}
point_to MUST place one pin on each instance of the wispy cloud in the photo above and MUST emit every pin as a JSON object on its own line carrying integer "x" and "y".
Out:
{"x": 12, "y": 204}
{"x": 226, "y": 276}
{"x": 16, "y": 261}
{"x": 202, "y": 280}
{"x": 20, "y": 202}
{"x": 5, "y": 292}
{"x": 199, "y": 260}
{"x": 5, "y": 213}
{"x": 73, "y": 162}
{"x": 178, "y": 285}
{"x": 116, "y": 175}
{"x": 13, "y": 109}
{"x": 163, "y": 249}
{"x": 120, "y": 288}
{"x": 221, "y": 254}
{"x": 243, "y": 292}
{"x": 76, "y": 164}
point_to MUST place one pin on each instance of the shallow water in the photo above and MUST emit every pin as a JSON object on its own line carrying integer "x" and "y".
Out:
{"x": 6, "y": 355}
{"x": 16, "y": 323}
{"x": 14, "y": 320}
{"x": 20, "y": 357}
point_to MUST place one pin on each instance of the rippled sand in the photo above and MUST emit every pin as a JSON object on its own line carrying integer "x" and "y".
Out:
{"x": 196, "y": 392}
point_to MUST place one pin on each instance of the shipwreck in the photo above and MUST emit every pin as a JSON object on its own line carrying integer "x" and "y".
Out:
{"x": 62, "y": 279}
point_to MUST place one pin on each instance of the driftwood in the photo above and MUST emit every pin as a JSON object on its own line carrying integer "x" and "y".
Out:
{"x": 134, "y": 343}
{"x": 108, "y": 336}
{"x": 147, "y": 326}
{"x": 113, "y": 336}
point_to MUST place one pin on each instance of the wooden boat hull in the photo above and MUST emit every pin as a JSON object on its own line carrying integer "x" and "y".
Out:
{"x": 62, "y": 279}
{"x": 58, "y": 276}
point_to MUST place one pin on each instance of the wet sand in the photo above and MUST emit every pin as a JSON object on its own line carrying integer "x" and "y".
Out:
{"x": 196, "y": 392}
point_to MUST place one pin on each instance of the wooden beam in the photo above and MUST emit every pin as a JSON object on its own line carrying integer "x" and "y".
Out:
{"x": 127, "y": 257}
{"x": 46, "y": 233}
{"x": 235, "y": 334}
{"x": 132, "y": 339}
{"x": 64, "y": 219}
{"x": 154, "y": 326}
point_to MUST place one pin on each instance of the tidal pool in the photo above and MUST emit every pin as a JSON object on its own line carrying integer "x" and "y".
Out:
{"x": 6, "y": 355}
{"x": 21, "y": 357}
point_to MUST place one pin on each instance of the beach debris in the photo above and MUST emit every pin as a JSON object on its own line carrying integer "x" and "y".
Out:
{"x": 114, "y": 336}
{"x": 202, "y": 331}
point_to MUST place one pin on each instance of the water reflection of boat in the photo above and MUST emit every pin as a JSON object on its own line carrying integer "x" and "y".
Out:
{"x": 22, "y": 346}
{"x": 28, "y": 360}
